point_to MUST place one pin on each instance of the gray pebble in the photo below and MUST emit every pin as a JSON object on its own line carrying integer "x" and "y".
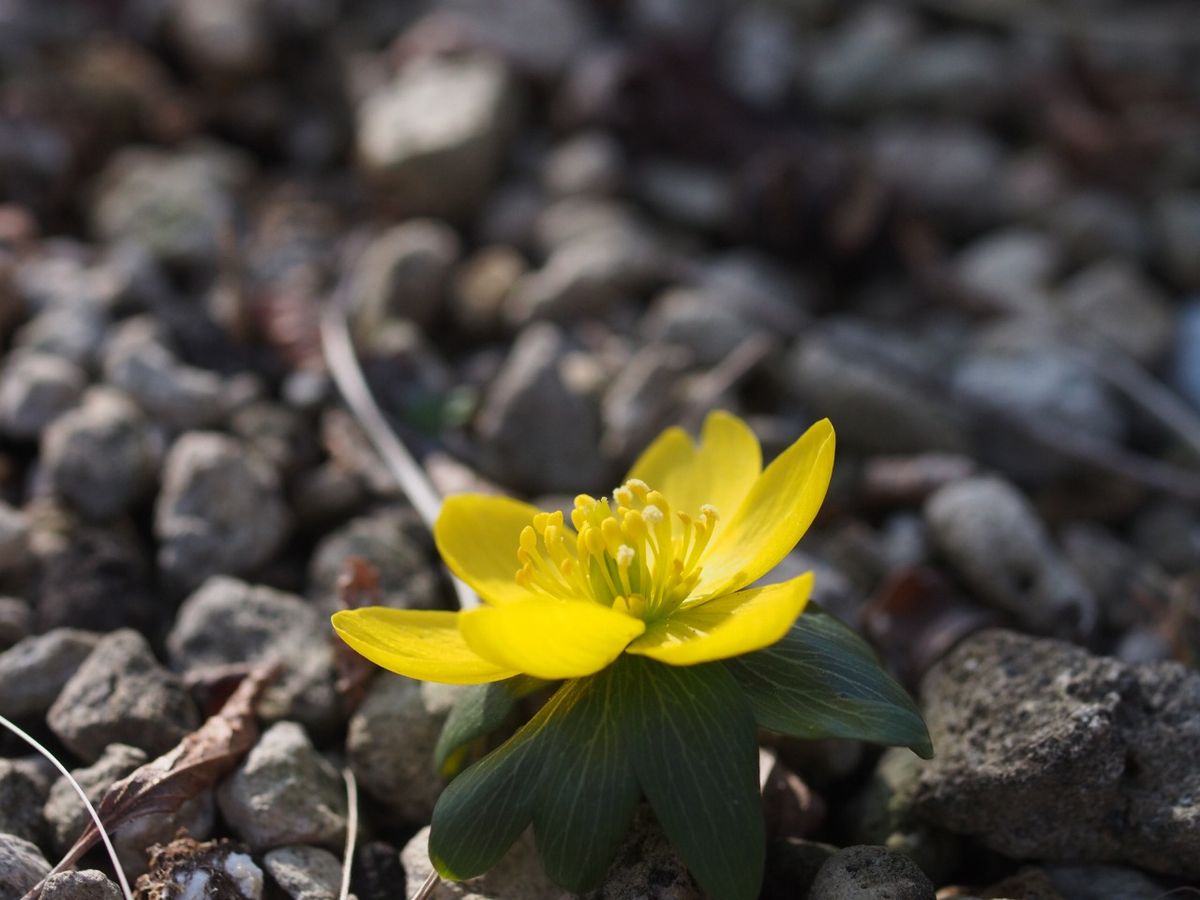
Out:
{"x": 517, "y": 876}
{"x": 647, "y": 866}
{"x": 122, "y": 695}
{"x": 591, "y": 162}
{"x": 284, "y": 792}
{"x": 404, "y": 273}
{"x": 102, "y": 456}
{"x": 992, "y": 536}
{"x": 1114, "y": 300}
{"x": 35, "y": 389}
{"x": 1177, "y": 221}
{"x": 87, "y": 884}
{"x": 21, "y": 866}
{"x": 14, "y": 538}
{"x": 304, "y": 873}
{"x": 34, "y": 671}
{"x": 16, "y": 619}
{"x": 73, "y": 333}
{"x": 870, "y": 873}
{"x": 220, "y": 511}
{"x": 23, "y": 787}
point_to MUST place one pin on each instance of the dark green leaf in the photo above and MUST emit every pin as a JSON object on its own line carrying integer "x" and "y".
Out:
{"x": 480, "y": 710}
{"x": 823, "y": 680}
{"x": 691, "y": 737}
{"x": 589, "y": 790}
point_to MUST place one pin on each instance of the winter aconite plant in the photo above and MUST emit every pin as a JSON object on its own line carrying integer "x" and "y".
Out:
{"x": 643, "y": 605}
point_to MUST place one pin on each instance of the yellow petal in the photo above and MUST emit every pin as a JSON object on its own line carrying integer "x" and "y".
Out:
{"x": 775, "y": 514}
{"x": 478, "y": 536}
{"x": 417, "y": 643}
{"x": 550, "y": 638}
{"x": 719, "y": 472}
{"x": 727, "y": 626}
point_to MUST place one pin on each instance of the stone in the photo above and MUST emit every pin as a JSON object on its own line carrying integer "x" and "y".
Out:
{"x": 1095, "y": 882}
{"x": 281, "y": 436}
{"x": 1168, "y": 531}
{"x": 35, "y": 389}
{"x": 390, "y": 743}
{"x": 870, "y": 873}
{"x": 758, "y": 54}
{"x": 647, "y": 867}
{"x": 66, "y": 818}
{"x": 990, "y": 533}
{"x": 1046, "y": 752}
{"x": 183, "y": 397}
{"x": 34, "y": 671}
{"x": 1010, "y": 269}
{"x": 304, "y": 873}
{"x": 284, "y": 792}
{"x": 436, "y": 136}
{"x": 396, "y": 543}
{"x": 522, "y": 421}
{"x": 14, "y": 538}
{"x": 377, "y": 871}
{"x": 220, "y": 511}
{"x": 962, "y": 75}
{"x": 16, "y": 620}
{"x": 21, "y": 866}
{"x": 1177, "y": 224}
{"x": 1185, "y": 368}
{"x": 1094, "y": 224}
{"x": 73, "y": 333}
{"x": 640, "y": 400}
{"x": 591, "y": 162}
{"x": 517, "y": 876}
{"x": 86, "y": 884}
{"x": 102, "y": 456}
{"x": 177, "y": 204}
{"x": 405, "y": 272}
{"x": 792, "y": 866}
{"x": 1113, "y": 300}
{"x": 222, "y": 39}
{"x": 695, "y": 196}
{"x": 122, "y": 695}
{"x": 227, "y": 621}
{"x": 482, "y": 286}
{"x": 23, "y": 786}
{"x": 540, "y": 37}
{"x": 847, "y": 72}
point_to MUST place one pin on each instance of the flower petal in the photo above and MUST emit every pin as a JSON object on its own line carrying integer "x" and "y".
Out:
{"x": 719, "y": 472}
{"x": 550, "y": 638}
{"x": 775, "y": 514}
{"x": 417, "y": 643}
{"x": 727, "y": 626}
{"x": 478, "y": 536}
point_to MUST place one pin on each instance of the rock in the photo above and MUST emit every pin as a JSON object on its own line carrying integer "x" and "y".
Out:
{"x": 1177, "y": 223}
{"x": 183, "y": 397}
{"x": 22, "y": 792}
{"x": 518, "y": 875}
{"x": 16, "y": 620}
{"x": 640, "y": 400}
{"x": 96, "y": 577}
{"x": 436, "y": 135}
{"x": 284, "y": 792}
{"x": 1097, "y": 224}
{"x": 1104, "y": 883}
{"x": 21, "y": 867}
{"x": 961, "y": 75}
{"x": 390, "y": 743}
{"x": 686, "y": 22}
{"x": 1117, "y": 575}
{"x": 541, "y": 37}
{"x": 34, "y": 671}
{"x": 223, "y": 38}
{"x": 1010, "y": 269}
{"x": 377, "y": 873}
{"x": 35, "y": 389}
{"x": 847, "y": 73}
{"x": 875, "y": 409}
{"x": 993, "y": 538}
{"x": 404, "y": 273}
{"x": 66, "y": 817}
{"x": 695, "y": 196}
{"x": 870, "y": 873}
{"x": 757, "y": 56}
{"x": 102, "y": 456}
{"x": 281, "y": 436}
{"x": 73, "y": 333}
{"x": 521, "y": 420}
{"x": 1185, "y": 375}
{"x": 227, "y": 621}
{"x": 178, "y": 205}
{"x": 88, "y": 884}
{"x": 395, "y": 542}
{"x": 191, "y": 870}
{"x": 482, "y": 286}
{"x": 591, "y": 162}
{"x": 1168, "y": 531}
{"x": 221, "y": 510}
{"x": 647, "y": 867}
{"x": 305, "y": 873}
{"x": 792, "y": 866}
{"x": 121, "y": 695}
{"x": 14, "y": 534}
{"x": 1114, "y": 301}
{"x": 1045, "y": 752}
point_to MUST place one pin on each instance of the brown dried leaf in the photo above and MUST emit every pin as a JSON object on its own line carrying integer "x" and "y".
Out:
{"x": 197, "y": 762}
{"x": 358, "y": 586}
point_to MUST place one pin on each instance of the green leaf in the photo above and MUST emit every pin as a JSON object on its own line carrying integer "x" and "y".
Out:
{"x": 589, "y": 789}
{"x": 480, "y": 710}
{"x": 823, "y": 680}
{"x": 691, "y": 736}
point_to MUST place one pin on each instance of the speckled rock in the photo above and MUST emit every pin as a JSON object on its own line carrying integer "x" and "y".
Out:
{"x": 1045, "y": 752}
{"x": 14, "y": 533}
{"x": 229, "y": 621}
{"x": 34, "y": 671}
{"x": 35, "y": 389}
{"x": 1114, "y": 300}
{"x": 21, "y": 867}
{"x": 870, "y": 873}
{"x": 87, "y": 884}
{"x": 518, "y": 876}
{"x": 647, "y": 867}
{"x": 122, "y": 695}
{"x": 390, "y": 743}
{"x": 23, "y": 787}
{"x": 993, "y": 537}
{"x": 304, "y": 873}
{"x": 404, "y": 273}
{"x": 284, "y": 792}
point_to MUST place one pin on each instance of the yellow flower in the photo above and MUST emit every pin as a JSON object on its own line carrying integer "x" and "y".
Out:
{"x": 659, "y": 569}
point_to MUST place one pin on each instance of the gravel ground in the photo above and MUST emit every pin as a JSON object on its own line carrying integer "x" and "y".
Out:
{"x": 969, "y": 233}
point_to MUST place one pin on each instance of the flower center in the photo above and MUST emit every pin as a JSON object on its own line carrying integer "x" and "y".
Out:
{"x": 637, "y": 557}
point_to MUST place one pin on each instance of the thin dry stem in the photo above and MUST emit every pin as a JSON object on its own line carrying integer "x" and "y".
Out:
{"x": 351, "y": 831}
